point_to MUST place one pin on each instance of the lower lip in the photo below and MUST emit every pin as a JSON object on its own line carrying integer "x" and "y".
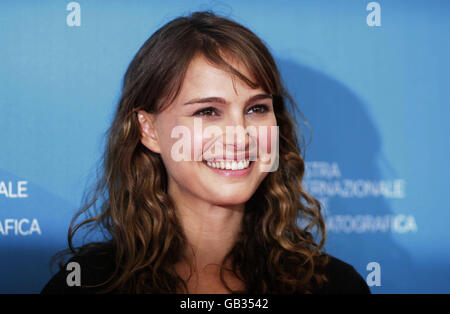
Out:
{"x": 232, "y": 173}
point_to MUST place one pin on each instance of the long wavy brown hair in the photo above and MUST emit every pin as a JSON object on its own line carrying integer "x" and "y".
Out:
{"x": 280, "y": 247}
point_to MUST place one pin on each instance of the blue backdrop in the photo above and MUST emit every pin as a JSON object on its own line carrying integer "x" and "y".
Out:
{"x": 371, "y": 79}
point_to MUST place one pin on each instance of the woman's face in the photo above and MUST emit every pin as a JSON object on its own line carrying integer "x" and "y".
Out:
{"x": 210, "y": 100}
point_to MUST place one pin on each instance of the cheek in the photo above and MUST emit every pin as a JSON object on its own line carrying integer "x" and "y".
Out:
{"x": 182, "y": 154}
{"x": 268, "y": 147}
{"x": 268, "y": 138}
{"x": 187, "y": 142}
{"x": 175, "y": 138}
{"x": 198, "y": 143}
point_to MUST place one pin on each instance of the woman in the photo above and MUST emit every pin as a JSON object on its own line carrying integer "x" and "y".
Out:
{"x": 193, "y": 211}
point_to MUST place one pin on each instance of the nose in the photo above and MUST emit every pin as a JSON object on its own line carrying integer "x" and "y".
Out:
{"x": 236, "y": 135}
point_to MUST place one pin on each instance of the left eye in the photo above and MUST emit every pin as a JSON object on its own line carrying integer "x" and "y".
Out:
{"x": 259, "y": 108}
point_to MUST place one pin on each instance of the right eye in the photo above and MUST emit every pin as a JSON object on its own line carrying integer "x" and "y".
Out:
{"x": 210, "y": 111}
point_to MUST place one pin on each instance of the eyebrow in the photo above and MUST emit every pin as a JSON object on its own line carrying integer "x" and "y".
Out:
{"x": 223, "y": 101}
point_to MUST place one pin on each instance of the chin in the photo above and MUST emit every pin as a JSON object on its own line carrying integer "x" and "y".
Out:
{"x": 231, "y": 199}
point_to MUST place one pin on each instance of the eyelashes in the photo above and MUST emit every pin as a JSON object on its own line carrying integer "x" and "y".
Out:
{"x": 212, "y": 112}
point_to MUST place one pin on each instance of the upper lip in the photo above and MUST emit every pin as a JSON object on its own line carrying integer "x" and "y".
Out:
{"x": 239, "y": 157}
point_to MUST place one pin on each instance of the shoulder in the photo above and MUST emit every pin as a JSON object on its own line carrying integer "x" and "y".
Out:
{"x": 343, "y": 279}
{"x": 81, "y": 272}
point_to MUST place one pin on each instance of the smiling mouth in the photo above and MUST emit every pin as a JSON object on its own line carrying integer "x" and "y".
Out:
{"x": 229, "y": 164}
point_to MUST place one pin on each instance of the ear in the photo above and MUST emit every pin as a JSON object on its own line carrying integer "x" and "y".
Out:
{"x": 149, "y": 137}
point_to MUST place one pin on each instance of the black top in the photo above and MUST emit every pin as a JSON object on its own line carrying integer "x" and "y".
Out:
{"x": 96, "y": 268}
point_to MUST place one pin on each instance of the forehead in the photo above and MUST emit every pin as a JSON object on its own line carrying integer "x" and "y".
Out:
{"x": 204, "y": 79}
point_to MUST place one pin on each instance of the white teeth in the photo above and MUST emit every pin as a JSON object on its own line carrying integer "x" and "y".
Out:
{"x": 231, "y": 165}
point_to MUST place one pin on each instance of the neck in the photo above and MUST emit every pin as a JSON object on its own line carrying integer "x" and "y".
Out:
{"x": 211, "y": 230}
